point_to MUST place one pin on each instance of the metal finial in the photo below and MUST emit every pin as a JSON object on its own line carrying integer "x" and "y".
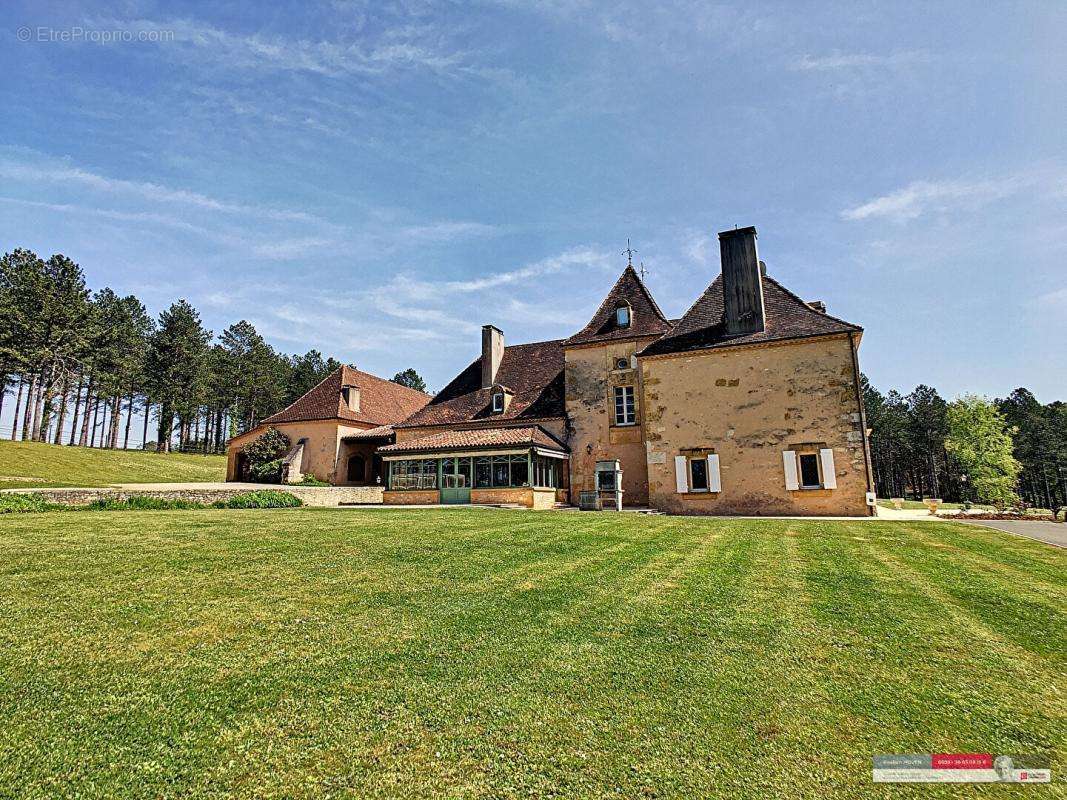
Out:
{"x": 629, "y": 253}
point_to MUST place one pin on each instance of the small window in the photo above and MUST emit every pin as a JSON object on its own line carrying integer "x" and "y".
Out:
{"x": 498, "y": 402}
{"x": 625, "y": 412}
{"x": 622, "y": 316}
{"x": 622, "y": 363}
{"x": 698, "y": 474}
{"x": 809, "y": 471}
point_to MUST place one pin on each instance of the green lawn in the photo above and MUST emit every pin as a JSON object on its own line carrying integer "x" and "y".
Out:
{"x": 29, "y": 464}
{"x": 325, "y": 653}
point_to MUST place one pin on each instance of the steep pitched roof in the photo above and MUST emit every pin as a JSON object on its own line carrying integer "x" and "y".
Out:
{"x": 477, "y": 439}
{"x": 787, "y": 317}
{"x": 381, "y": 402}
{"x": 533, "y": 372}
{"x": 645, "y": 320}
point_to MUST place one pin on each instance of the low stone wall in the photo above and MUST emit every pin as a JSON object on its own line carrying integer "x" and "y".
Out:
{"x": 412, "y": 497}
{"x": 320, "y": 496}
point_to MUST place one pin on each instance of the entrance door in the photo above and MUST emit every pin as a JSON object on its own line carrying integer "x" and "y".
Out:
{"x": 455, "y": 481}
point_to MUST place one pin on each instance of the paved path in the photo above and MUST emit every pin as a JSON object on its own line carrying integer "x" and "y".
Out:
{"x": 1054, "y": 533}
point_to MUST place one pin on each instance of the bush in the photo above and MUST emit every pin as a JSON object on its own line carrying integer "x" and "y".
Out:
{"x": 19, "y": 503}
{"x": 267, "y": 472}
{"x": 264, "y": 456}
{"x": 311, "y": 480}
{"x": 142, "y": 503}
{"x": 266, "y": 498}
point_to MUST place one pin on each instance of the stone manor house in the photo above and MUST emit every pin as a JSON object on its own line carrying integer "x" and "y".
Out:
{"x": 748, "y": 404}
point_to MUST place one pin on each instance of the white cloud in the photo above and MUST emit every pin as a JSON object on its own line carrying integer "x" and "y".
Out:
{"x": 261, "y": 52}
{"x": 1054, "y": 299}
{"x": 852, "y": 61}
{"x": 922, "y": 197}
{"x": 447, "y": 231}
{"x": 153, "y": 192}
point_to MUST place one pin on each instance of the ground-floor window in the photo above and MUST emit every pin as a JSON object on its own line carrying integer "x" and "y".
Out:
{"x": 515, "y": 470}
{"x": 809, "y": 471}
{"x": 415, "y": 473}
{"x": 698, "y": 474}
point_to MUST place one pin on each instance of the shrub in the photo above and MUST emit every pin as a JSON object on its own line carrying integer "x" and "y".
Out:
{"x": 266, "y": 498}
{"x": 311, "y": 480}
{"x": 19, "y": 503}
{"x": 264, "y": 456}
{"x": 266, "y": 472}
{"x": 142, "y": 503}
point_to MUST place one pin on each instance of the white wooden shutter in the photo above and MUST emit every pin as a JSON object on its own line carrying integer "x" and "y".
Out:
{"x": 792, "y": 480}
{"x": 680, "y": 476}
{"x": 714, "y": 479}
{"x": 829, "y": 474}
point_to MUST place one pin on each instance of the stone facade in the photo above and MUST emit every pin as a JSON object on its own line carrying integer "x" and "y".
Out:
{"x": 748, "y": 405}
{"x": 592, "y": 373}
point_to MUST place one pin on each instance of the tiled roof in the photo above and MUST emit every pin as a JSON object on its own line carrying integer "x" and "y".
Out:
{"x": 381, "y": 432}
{"x": 381, "y": 402}
{"x": 787, "y": 317}
{"x": 533, "y": 372}
{"x": 477, "y": 439}
{"x": 645, "y": 320}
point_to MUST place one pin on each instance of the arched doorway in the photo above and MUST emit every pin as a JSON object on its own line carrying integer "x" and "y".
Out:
{"x": 357, "y": 469}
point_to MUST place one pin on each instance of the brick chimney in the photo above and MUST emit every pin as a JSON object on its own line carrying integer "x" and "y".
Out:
{"x": 350, "y": 396}
{"x": 742, "y": 287}
{"x": 492, "y": 353}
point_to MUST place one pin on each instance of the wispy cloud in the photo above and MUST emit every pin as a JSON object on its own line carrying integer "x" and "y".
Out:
{"x": 145, "y": 190}
{"x": 1056, "y": 299}
{"x": 853, "y": 61}
{"x": 398, "y": 49}
{"x": 922, "y": 197}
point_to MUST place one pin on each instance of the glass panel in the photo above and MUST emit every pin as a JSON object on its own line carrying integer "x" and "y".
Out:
{"x": 448, "y": 465}
{"x": 463, "y": 468}
{"x": 520, "y": 471}
{"x": 501, "y": 473}
{"x": 483, "y": 471}
{"x": 624, "y": 405}
{"x": 698, "y": 471}
{"x": 809, "y": 471}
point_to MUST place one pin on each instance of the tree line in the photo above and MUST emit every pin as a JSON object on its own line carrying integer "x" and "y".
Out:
{"x": 81, "y": 365}
{"x": 1005, "y": 452}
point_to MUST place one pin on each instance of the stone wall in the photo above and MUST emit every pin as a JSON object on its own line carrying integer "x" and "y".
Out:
{"x": 749, "y": 405}
{"x": 592, "y": 376}
{"x": 412, "y": 497}
{"x": 322, "y": 496}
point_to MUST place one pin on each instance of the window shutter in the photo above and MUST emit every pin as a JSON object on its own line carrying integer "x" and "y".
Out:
{"x": 792, "y": 480}
{"x": 714, "y": 479}
{"x": 829, "y": 474}
{"x": 680, "y": 476}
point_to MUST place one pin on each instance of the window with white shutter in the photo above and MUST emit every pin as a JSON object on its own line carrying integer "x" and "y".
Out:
{"x": 714, "y": 478}
{"x": 789, "y": 461}
{"x": 681, "y": 476}
{"x": 829, "y": 474}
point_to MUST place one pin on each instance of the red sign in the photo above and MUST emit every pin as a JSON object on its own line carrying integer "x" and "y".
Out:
{"x": 961, "y": 761}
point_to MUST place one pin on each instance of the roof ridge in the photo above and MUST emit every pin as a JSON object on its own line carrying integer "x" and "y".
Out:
{"x": 359, "y": 371}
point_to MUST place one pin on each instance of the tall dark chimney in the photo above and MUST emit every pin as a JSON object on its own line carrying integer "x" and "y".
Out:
{"x": 742, "y": 289}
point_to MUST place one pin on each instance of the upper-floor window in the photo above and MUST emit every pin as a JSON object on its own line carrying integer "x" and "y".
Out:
{"x": 622, "y": 316}
{"x": 625, "y": 411}
{"x": 498, "y": 402}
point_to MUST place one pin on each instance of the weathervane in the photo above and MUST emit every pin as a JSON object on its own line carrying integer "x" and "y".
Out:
{"x": 629, "y": 253}
{"x": 642, "y": 271}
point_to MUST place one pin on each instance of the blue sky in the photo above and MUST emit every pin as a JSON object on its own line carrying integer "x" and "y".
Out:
{"x": 379, "y": 179}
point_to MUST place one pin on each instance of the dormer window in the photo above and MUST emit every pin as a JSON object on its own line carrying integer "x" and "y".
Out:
{"x": 498, "y": 402}
{"x": 623, "y": 316}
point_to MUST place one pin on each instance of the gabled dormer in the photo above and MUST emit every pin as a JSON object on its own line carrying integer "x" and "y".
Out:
{"x": 499, "y": 398}
{"x": 628, "y": 312}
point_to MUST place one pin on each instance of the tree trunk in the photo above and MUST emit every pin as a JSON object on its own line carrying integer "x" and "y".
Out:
{"x": 96, "y": 420}
{"x": 40, "y": 418}
{"x": 116, "y": 420}
{"x": 62, "y": 417}
{"x": 83, "y": 439}
{"x": 18, "y": 402}
{"x": 129, "y": 419}
{"x": 219, "y": 418}
{"x": 147, "y": 414}
{"x": 31, "y": 404}
{"x": 77, "y": 409}
{"x": 166, "y": 423}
